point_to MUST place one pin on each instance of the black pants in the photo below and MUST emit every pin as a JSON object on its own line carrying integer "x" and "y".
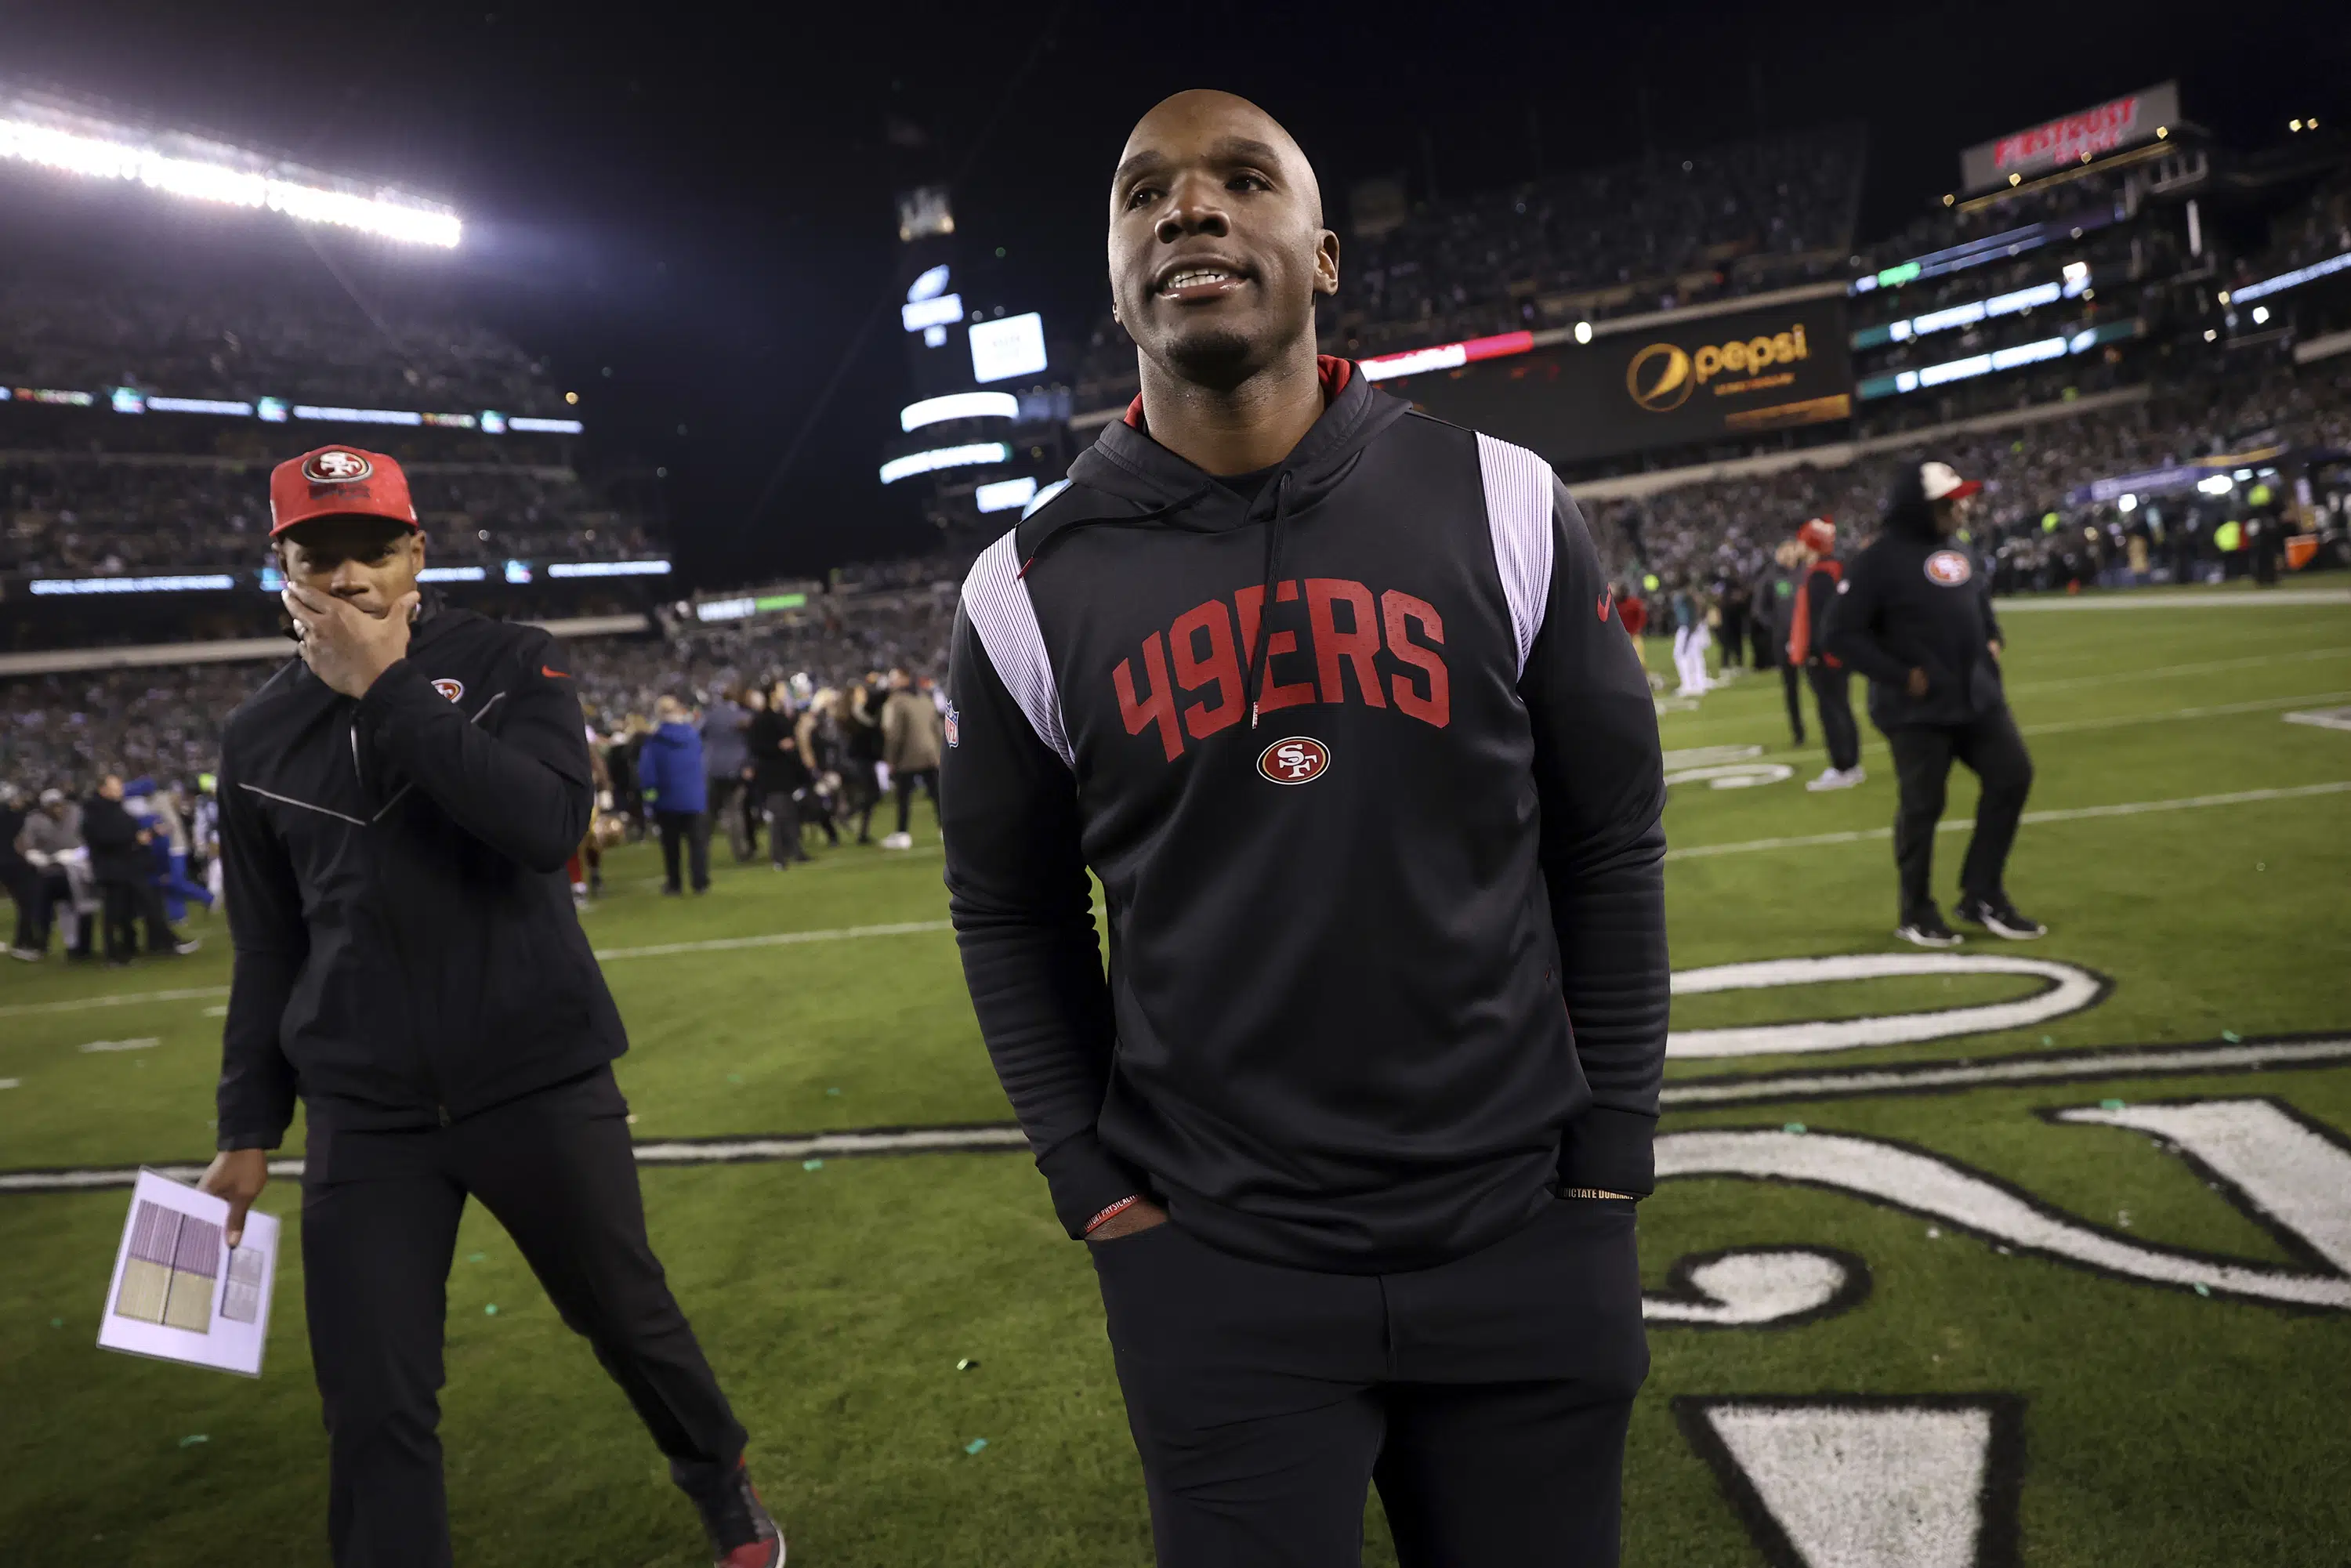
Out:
{"x": 30, "y": 891}
{"x": 727, "y": 815}
{"x": 692, "y": 830}
{"x": 1791, "y": 686}
{"x": 1761, "y": 639}
{"x": 903, "y": 784}
{"x": 1832, "y": 694}
{"x": 783, "y": 826}
{"x": 1922, "y": 761}
{"x": 380, "y": 1212}
{"x": 127, "y": 905}
{"x": 1734, "y": 639}
{"x": 1487, "y": 1397}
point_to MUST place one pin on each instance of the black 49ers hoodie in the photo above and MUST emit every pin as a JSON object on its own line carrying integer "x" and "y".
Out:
{"x": 1387, "y": 954}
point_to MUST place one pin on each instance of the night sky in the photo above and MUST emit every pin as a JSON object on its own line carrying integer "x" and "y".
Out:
{"x": 707, "y": 206}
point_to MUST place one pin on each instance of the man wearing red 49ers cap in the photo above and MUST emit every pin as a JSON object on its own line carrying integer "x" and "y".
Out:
{"x": 397, "y": 806}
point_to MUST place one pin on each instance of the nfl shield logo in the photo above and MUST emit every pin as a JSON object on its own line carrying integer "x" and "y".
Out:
{"x": 954, "y": 729}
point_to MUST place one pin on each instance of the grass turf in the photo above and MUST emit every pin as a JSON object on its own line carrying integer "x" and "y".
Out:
{"x": 2159, "y": 1425}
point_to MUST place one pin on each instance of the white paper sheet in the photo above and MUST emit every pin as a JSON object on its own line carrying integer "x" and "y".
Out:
{"x": 180, "y": 1293}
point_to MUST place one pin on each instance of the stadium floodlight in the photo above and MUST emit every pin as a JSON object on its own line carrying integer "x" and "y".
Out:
{"x": 727, "y": 609}
{"x": 971, "y": 455}
{"x": 544, "y": 426}
{"x": 1584, "y": 331}
{"x": 2261, "y": 314}
{"x": 2128, "y": 504}
{"x": 359, "y": 415}
{"x": 2216, "y": 484}
{"x": 452, "y": 574}
{"x": 2299, "y": 275}
{"x": 50, "y": 135}
{"x": 958, "y": 405}
{"x": 199, "y": 405}
{"x": 930, "y": 286}
{"x": 1005, "y": 494}
{"x": 182, "y": 584}
{"x": 944, "y": 310}
{"x": 609, "y": 568}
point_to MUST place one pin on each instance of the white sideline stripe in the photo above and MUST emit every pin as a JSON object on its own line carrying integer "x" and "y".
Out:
{"x": 917, "y": 928}
{"x": 2180, "y": 601}
{"x": 773, "y": 939}
{"x": 2030, "y": 819}
{"x": 2066, "y": 727}
{"x": 2204, "y": 667}
{"x": 2158, "y": 1061}
{"x": 29, "y": 1009}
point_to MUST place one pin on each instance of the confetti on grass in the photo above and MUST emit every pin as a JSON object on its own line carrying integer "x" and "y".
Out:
{"x": 812, "y": 1165}
{"x": 191, "y": 1439}
{"x": 476, "y": 1256}
{"x": 57, "y": 1322}
{"x": 2110, "y": 1104}
{"x": 965, "y": 1365}
{"x": 491, "y": 1310}
{"x": 1793, "y": 1127}
{"x": 2203, "y": 1289}
{"x": 2232, "y": 1037}
{"x": 975, "y": 1446}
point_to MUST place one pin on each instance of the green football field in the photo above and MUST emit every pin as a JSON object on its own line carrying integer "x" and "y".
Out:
{"x": 2048, "y": 1262}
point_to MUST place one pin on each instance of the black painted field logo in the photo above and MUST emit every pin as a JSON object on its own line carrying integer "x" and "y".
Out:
{"x": 1300, "y": 759}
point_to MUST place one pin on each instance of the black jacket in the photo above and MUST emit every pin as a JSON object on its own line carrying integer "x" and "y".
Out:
{"x": 1345, "y": 941}
{"x": 773, "y": 769}
{"x": 112, "y": 834}
{"x": 1915, "y": 600}
{"x": 406, "y": 948}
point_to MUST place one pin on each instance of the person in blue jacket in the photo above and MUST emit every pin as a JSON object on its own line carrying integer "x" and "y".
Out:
{"x": 670, "y": 771}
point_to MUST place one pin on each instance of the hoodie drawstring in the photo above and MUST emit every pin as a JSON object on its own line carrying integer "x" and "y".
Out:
{"x": 1264, "y": 604}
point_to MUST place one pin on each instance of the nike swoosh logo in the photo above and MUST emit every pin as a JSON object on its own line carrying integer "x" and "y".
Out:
{"x": 555, "y": 675}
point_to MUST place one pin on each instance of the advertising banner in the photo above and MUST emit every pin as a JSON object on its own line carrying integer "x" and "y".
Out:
{"x": 1715, "y": 379}
{"x": 2043, "y": 149}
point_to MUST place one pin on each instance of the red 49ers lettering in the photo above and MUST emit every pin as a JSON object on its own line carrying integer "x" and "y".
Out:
{"x": 1350, "y": 632}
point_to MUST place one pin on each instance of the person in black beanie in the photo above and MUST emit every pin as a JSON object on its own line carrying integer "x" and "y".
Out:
{"x": 1914, "y": 614}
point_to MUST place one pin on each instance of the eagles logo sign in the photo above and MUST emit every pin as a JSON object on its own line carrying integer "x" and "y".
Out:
{"x": 1300, "y": 760}
{"x": 337, "y": 467}
{"x": 1948, "y": 567}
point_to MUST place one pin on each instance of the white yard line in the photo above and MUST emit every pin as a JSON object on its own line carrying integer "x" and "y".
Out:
{"x": 2204, "y": 667}
{"x": 773, "y": 939}
{"x": 2069, "y": 814}
{"x": 2127, "y": 1061}
{"x": 130, "y": 998}
{"x": 2128, "y": 600}
{"x": 2123, "y": 721}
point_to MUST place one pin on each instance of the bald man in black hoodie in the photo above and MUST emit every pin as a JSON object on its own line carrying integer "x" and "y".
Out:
{"x": 1914, "y": 614}
{"x": 1333, "y": 698}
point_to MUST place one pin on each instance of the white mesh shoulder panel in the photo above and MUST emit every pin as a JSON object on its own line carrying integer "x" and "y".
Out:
{"x": 998, "y": 602}
{"x": 1518, "y": 509}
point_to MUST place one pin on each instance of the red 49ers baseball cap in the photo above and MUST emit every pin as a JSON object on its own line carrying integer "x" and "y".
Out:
{"x": 338, "y": 482}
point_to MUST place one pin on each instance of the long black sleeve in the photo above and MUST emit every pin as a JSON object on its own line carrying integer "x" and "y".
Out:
{"x": 526, "y": 792}
{"x": 1023, "y": 912}
{"x": 1600, "y": 783}
{"x": 1851, "y": 630}
{"x": 255, "y": 1097}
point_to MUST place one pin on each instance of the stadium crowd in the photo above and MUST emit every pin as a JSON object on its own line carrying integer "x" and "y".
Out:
{"x": 83, "y": 515}
{"x": 1644, "y": 236}
{"x": 220, "y": 338}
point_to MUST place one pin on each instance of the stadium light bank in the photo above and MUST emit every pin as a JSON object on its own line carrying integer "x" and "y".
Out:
{"x": 48, "y": 134}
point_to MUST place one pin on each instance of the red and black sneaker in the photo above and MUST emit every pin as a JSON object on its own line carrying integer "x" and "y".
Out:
{"x": 743, "y": 1534}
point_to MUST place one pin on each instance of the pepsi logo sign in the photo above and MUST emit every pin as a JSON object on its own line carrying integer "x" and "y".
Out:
{"x": 1300, "y": 759}
{"x": 1950, "y": 568}
{"x": 336, "y": 467}
{"x": 448, "y": 688}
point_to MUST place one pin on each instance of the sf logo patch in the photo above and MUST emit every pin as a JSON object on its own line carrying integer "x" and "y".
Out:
{"x": 448, "y": 688}
{"x": 1948, "y": 567}
{"x": 1300, "y": 760}
{"x": 336, "y": 467}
